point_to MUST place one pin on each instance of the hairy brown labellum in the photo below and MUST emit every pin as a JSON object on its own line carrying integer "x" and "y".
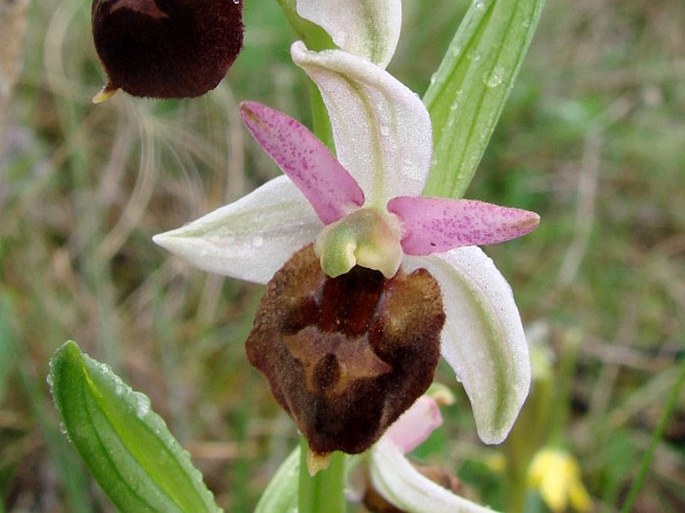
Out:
{"x": 167, "y": 48}
{"x": 346, "y": 356}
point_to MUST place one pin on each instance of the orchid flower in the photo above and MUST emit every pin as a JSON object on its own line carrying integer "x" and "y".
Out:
{"x": 364, "y": 208}
{"x": 396, "y": 479}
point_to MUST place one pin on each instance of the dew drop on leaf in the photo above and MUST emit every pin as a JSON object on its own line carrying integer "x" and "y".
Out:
{"x": 473, "y": 56}
{"x": 142, "y": 405}
{"x": 494, "y": 77}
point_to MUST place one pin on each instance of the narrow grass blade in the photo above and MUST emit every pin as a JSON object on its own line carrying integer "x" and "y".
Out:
{"x": 16, "y": 361}
{"x": 126, "y": 446}
{"x": 468, "y": 92}
{"x": 646, "y": 462}
{"x": 7, "y": 353}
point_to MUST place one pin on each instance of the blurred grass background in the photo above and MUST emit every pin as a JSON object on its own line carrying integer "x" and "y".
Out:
{"x": 593, "y": 138}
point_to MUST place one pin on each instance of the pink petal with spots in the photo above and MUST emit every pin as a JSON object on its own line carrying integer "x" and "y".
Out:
{"x": 435, "y": 225}
{"x": 329, "y": 188}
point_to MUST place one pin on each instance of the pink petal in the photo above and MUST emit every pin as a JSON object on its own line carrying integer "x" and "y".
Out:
{"x": 329, "y": 188}
{"x": 435, "y": 225}
{"x": 415, "y": 424}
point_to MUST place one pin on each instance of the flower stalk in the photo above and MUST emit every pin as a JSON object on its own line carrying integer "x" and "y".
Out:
{"x": 322, "y": 492}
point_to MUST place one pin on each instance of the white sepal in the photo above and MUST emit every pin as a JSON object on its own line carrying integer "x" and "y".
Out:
{"x": 483, "y": 338}
{"x": 367, "y": 28}
{"x": 402, "y": 485}
{"x": 382, "y": 130}
{"x": 251, "y": 238}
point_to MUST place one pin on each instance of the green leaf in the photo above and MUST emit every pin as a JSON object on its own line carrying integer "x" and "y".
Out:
{"x": 467, "y": 93}
{"x": 126, "y": 446}
{"x": 280, "y": 495}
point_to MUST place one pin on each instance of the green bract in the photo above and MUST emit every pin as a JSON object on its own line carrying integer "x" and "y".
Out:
{"x": 126, "y": 446}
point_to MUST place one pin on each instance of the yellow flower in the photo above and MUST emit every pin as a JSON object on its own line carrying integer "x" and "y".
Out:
{"x": 556, "y": 476}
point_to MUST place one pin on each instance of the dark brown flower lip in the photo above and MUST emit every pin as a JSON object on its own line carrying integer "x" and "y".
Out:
{"x": 166, "y": 48}
{"x": 346, "y": 356}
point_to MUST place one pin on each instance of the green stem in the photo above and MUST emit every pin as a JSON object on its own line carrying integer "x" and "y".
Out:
{"x": 321, "y": 121}
{"x": 313, "y": 36}
{"x": 516, "y": 493}
{"x": 527, "y": 436}
{"x": 324, "y": 491}
{"x": 316, "y": 39}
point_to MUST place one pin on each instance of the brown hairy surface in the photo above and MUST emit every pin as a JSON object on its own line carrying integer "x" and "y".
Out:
{"x": 167, "y": 48}
{"x": 346, "y": 356}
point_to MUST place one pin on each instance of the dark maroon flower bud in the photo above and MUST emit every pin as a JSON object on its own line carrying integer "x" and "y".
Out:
{"x": 346, "y": 356}
{"x": 166, "y": 48}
